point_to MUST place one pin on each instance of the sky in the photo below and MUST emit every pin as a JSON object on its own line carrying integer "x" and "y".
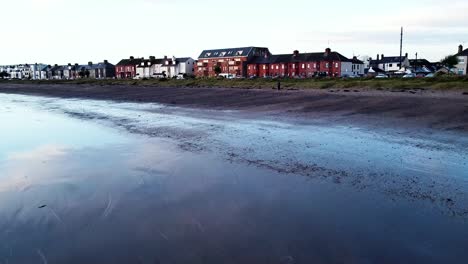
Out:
{"x": 66, "y": 31}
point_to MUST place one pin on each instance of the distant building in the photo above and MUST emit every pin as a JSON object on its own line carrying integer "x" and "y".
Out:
{"x": 231, "y": 60}
{"x": 357, "y": 66}
{"x": 304, "y": 65}
{"x": 127, "y": 68}
{"x": 422, "y": 66}
{"x": 390, "y": 64}
{"x": 165, "y": 67}
{"x": 462, "y": 56}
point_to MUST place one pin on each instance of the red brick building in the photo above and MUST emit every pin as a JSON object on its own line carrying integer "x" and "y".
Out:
{"x": 302, "y": 65}
{"x": 127, "y": 68}
{"x": 231, "y": 61}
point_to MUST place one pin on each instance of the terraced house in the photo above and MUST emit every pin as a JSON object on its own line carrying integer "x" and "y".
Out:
{"x": 231, "y": 61}
{"x": 303, "y": 65}
{"x": 462, "y": 56}
{"x": 127, "y": 68}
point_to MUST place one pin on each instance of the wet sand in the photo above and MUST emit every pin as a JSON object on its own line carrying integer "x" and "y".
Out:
{"x": 442, "y": 110}
{"x": 124, "y": 182}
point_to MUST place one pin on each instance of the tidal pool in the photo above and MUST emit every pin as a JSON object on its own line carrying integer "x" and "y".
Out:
{"x": 85, "y": 181}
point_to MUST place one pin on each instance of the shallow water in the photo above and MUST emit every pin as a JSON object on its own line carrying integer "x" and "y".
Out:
{"x": 85, "y": 181}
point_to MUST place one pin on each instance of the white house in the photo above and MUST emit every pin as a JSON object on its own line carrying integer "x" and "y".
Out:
{"x": 390, "y": 64}
{"x": 357, "y": 67}
{"x": 39, "y": 71}
{"x": 155, "y": 68}
{"x": 462, "y": 56}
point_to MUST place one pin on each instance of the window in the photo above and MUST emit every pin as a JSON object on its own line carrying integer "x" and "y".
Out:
{"x": 461, "y": 60}
{"x": 336, "y": 65}
{"x": 327, "y": 65}
{"x": 308, "y": 66}
{"x": 303, "y": 66}
{"x": 282, "y": 66}
{"x": 264, "y": 67}
{"x": 277, "y": 67}
{"x": 294, "y": 66}
{"x": 315, "y": 65}
{"x": 390, "y": 65}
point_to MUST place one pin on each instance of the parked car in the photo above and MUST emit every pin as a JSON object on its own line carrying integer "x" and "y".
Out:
{"x": 430, "y": 75}
{"x": 227, "y": 75}
{"x": 409, "y": 75}
{"x": 381, "y": 76}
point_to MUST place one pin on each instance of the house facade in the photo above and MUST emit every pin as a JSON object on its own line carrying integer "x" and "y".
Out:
{"x": 301, "y": 65}
{"x": 462, "y": 56}
{"x": 390, "y": 64}
{"x": 165, "y": 67}
{"x": 127, "y": 68}
{"x": 357, "y": 67}
{"x": 231, "y": 61}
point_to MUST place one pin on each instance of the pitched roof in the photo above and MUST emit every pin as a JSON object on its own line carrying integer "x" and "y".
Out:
{"x": 392, "y": 59}
{"x": 229, "y": 52}
{"x": 183, "y": 59}
{"x": 463, "y": 53}
{"x": 129, "y": 62}
{"x": 301, "y": 57}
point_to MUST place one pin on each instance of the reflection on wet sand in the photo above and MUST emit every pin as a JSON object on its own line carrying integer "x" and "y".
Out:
{"x": 87, "y": 191}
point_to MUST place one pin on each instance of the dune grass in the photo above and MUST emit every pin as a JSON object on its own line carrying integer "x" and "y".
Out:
{"x": 439, "y": 83}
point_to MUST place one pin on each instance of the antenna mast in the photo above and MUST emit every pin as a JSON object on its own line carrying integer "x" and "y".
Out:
{"x": 401, "y": 47}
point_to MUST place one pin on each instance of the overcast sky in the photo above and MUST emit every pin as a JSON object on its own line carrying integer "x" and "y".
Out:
{"x": 66, "y": 31}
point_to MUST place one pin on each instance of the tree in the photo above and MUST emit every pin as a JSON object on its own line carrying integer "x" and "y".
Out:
{"x": 450, "y": 61}
{"x": 82, "y": 74}
{"x": 4, "y": 74}
{"x": 217, "y": 69}
{"x": 87, "y": 73}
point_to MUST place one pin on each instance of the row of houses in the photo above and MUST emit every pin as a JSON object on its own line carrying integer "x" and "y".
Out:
{"x": 154, "y": 67}
{"x": 239, "y": 62}
{"x": 126, "y": 68}
{"x": 259, "y": 62}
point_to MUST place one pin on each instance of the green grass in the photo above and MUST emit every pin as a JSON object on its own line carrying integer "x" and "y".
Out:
{"x": 386, "y": 84}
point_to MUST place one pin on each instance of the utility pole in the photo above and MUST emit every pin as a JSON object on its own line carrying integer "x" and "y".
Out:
{"x": 401, "y": 47}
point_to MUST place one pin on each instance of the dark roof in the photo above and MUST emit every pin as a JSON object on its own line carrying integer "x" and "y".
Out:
{"x": 393, "y": 59}
{"x": 301, "y": 57}
{"x": 183, "y": 59}
{"x": 357, "y": 61}
{"x": 419, "y": 62}
{"x": 129, "y": 62}
{"x": 230, "y": 52}
{"x": 463, "y": 53}
{"x": 151, "y": 61}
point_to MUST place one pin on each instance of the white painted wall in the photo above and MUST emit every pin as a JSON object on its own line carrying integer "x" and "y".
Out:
{"x": 462, "y": 65}
{"x": 346, "y": 68}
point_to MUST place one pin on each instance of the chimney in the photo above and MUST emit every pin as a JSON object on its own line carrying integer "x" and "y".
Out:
{"x": 69, "y": 64}
{"x": 106, "y": 62}
{"x": 90, "y": 63}
{"x": 406, "y": 55}
{"x": 132, "y": 58}
{"x": 327, "y": 51}
{"x": 165, "y": 57}
{"x": 295, "y": 53}
{"x": 460, "y": 48}
{"x": 383, "y": 56}
{"x": 378, "y": 57}
{"x": 55, "y": 65}
{"x": 152, "y": 57}
{"x": 354, "y": 58}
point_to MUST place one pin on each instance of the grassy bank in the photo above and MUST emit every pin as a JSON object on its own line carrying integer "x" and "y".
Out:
{"x": 423, "y": 83}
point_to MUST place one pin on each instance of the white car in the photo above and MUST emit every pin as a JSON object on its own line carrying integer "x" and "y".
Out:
{"x": 409, "y": 75}
{"x": 381, "y": 76}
